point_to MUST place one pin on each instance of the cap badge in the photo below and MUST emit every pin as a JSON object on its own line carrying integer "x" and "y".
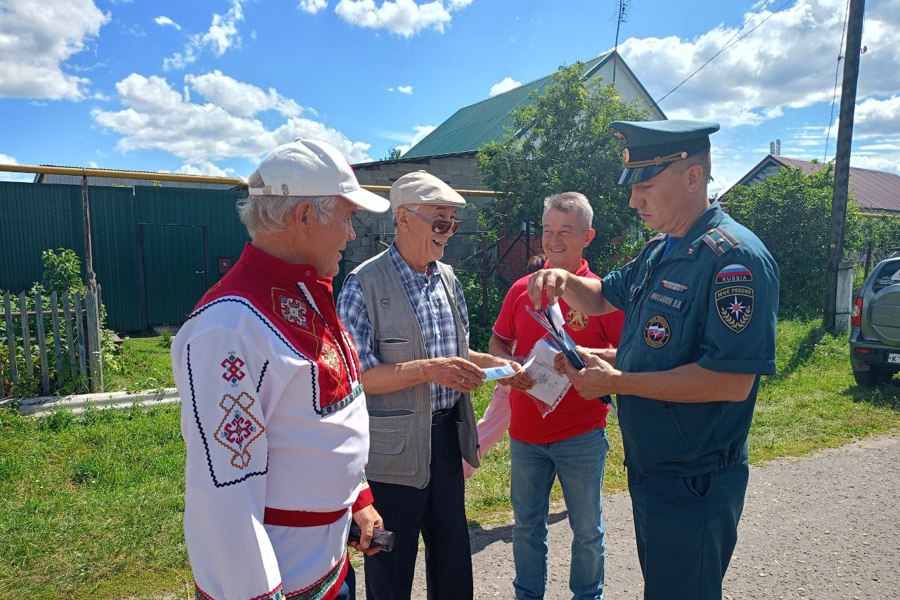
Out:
{"x": 618, "y": 135}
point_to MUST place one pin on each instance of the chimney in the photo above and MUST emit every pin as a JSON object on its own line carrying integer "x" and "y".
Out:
{"x": 772, "y": 148}
{"x": 777, "y": 147}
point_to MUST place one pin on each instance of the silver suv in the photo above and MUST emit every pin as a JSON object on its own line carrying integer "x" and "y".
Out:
{"x": 875, "y": 326}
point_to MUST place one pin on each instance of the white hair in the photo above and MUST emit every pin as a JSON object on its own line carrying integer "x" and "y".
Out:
{"x": 571, "y": 201}
{"x": 267, "y": 214}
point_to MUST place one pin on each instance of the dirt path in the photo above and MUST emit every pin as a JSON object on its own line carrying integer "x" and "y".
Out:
{"x": 825, "y": 527}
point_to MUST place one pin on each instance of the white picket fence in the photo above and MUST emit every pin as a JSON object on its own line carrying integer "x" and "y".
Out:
{"x": 56, "y": 340}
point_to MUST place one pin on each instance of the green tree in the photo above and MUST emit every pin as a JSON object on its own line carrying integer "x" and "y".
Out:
{"x": 791, "y": 214}
{"x": 62, "y": 271}
{"x": 393, "y": 154}
{"x": 559, "y": 143}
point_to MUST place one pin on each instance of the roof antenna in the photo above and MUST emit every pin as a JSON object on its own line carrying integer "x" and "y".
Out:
{"x": 620, "y": 18}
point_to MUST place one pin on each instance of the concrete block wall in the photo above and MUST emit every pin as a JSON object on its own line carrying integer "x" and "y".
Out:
{"x": 374, "y": 233}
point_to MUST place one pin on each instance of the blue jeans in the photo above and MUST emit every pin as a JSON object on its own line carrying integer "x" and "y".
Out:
{"x": 579, "y": 462}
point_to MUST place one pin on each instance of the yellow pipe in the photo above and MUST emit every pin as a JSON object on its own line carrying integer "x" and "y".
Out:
{"x": 143, "y": 175}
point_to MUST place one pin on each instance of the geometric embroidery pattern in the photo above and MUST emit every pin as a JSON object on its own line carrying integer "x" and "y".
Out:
{"x": 330, "y": 357}
{"x": 232, "y": 366}
{"x": 292, "y": 311}
{"x": 319, "y": 588}
{"x": 239, "y": 428}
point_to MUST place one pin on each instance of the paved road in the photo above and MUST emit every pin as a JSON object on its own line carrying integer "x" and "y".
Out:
{"x": 825, "y": 527}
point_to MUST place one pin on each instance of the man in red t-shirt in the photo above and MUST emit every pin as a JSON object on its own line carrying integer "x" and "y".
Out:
{"x": 570, "y": 440}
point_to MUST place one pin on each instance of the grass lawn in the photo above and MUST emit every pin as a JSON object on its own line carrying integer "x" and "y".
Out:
{"x": 91, "y": 507}
{"x": 142, "y": 363}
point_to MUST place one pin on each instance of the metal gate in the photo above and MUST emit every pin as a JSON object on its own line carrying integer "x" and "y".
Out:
{"x": 173, "y": 260}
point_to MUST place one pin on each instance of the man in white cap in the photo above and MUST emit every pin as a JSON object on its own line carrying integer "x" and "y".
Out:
{"x": 407, "y": 314}
{"x": 273, "y": 412}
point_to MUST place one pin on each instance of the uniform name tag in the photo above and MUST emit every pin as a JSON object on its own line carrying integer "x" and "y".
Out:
{"x": 667, "y": 300}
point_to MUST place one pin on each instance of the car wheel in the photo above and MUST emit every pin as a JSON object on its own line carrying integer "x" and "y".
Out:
{"x": 865, "y": 378}
{"x": 882, "y": 375}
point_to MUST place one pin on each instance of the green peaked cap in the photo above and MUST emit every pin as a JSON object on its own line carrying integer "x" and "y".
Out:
{"x": 651, "y": 146}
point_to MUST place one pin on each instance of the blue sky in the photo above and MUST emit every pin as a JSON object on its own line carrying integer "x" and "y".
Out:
{"x": 209, "y": 86}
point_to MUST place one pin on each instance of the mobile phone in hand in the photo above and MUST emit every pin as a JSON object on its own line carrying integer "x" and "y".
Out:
{"x": 381, "y": 538}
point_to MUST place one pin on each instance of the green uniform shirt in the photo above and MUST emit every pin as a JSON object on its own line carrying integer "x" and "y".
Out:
{"x": 713, "y": 300}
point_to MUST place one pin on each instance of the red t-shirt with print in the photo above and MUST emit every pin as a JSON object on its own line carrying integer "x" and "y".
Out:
{"x": 574, "y": 415}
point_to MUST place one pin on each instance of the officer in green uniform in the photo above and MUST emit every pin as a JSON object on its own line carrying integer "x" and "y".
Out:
{"x": 700, "y": 306}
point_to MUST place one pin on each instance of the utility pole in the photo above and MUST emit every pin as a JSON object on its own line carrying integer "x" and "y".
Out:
{"x": 842, "y": 159}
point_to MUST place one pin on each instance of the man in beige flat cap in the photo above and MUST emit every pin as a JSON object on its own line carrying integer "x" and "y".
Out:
{"x": 407, "y": 315}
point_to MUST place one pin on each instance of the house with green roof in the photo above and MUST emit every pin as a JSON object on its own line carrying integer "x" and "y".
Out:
{"x": 449, "y": 152}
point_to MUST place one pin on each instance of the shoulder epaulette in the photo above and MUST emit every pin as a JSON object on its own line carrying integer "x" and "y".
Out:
{"x": 720, "y": 240}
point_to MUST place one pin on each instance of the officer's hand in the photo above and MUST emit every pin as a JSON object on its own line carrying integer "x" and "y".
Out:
{"x": 454, "y": 372}
{"x": 368, "y": 520}
{"x": 546, "y": 285}
{"x": 595, "y": 380}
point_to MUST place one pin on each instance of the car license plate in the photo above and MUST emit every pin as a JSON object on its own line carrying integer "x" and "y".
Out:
{"x": 894, "y": 358}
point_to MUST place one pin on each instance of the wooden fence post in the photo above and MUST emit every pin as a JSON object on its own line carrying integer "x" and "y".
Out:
{"x": 42, "y": 343}
{"x": 11, "y": 340}
{"x": 67, "y": 316}
{"x": 79, "y": 323}
{"x": 26, "y": 336}
{"x": 93, "y": 336}
{"x": 57, "y": 347}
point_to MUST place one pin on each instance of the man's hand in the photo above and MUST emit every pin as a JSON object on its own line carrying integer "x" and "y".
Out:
{"x": 521, "y": 380}
{"x": 546, "y": 286}
{"x": 368, "y": 520}
{"x": 454, "y": 372}
{"x": 595, "y": 380}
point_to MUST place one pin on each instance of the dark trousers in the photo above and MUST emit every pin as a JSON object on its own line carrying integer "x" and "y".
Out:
{"x": 438, "y": 512}
{"x": 686, "y": 530}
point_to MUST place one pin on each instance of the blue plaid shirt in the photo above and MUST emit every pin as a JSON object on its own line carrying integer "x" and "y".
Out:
{"x": 433, "y": 311}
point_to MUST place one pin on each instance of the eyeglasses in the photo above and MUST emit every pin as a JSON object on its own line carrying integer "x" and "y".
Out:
{"x": 439, "y": 225}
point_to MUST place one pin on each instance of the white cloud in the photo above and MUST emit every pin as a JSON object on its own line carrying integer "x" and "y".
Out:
{"x": 405, "y": 89}
{"x": 37, "y": 37}
{"x": 205, "y": 168}
{"x": 506, "y": 84}
{"x": 874, "y": 117}
{"x": 157, "y": 117}
{"x": 238, "y": 98}
{"x": 402, "y": 17}
{"x": 221, "y": 36}
{"x": 409, "y": 139}
{"x": 6, "y": 159}
{"x": 164, "y": 21}
{"x": 312, "y": 6}
{"x": 788, "y": 63}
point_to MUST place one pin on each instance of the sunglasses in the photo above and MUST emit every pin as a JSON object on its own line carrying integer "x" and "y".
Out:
{"x": 439, "y": 225}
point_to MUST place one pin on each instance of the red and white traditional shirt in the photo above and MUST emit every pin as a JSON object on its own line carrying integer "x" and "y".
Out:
{"x": 276, "y": 427}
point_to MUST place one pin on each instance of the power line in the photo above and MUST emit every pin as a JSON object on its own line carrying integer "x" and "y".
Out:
{"x": 730, "y": 43}
{"x": 837, "y": 69}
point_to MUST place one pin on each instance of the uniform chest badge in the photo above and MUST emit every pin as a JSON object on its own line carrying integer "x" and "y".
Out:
{"x": 575, "y": 320}
{"x": 239, "y": 428}
{"x": 657, "y": 332}
{"x": 735, "y": 306}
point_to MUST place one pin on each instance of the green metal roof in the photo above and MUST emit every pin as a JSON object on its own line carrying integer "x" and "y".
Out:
{"x": 470, "y": 128}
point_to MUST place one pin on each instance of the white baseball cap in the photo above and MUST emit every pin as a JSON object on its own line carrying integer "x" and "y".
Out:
{"x": 313, "y": 168}
{"x": 420, "y": 187}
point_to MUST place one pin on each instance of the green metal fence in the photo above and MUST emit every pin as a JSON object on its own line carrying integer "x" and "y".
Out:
{"x": 155, "y": 250}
